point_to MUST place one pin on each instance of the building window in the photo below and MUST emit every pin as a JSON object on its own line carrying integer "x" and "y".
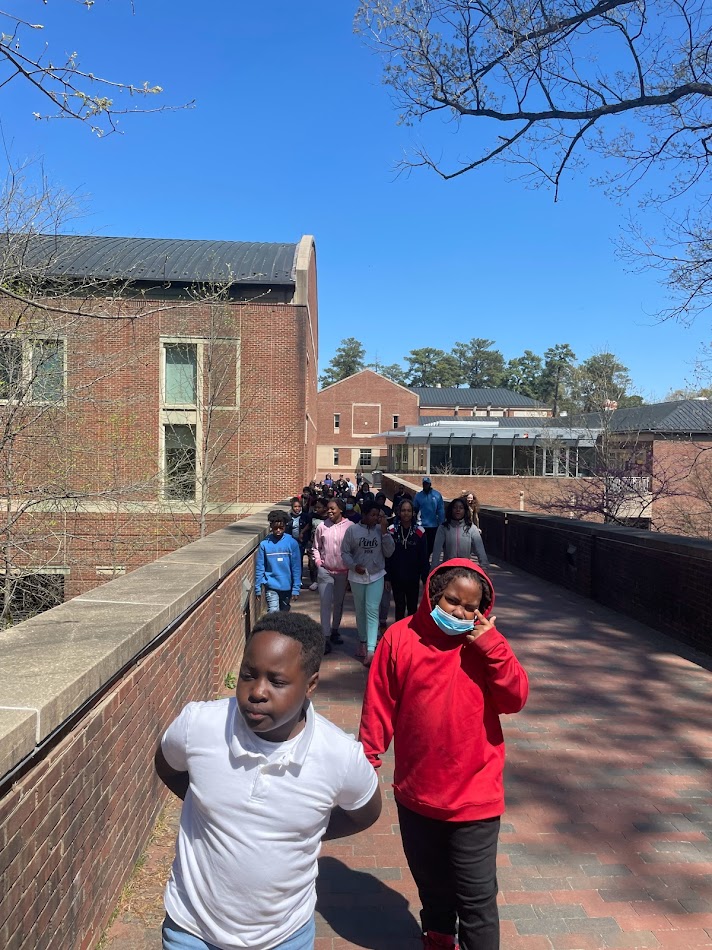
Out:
{"x": 47, "y": 362}
{"x": 10, "y": 368}
{"x": 181, "y": 374}
{"x": 395, "y": 422}
{"x": 32, "y": 369}
{"x": 180, "y": 458}
{"x": 336, "y": 456}
{"x": 364, "y": 458}
{"x": 337, "y": 421}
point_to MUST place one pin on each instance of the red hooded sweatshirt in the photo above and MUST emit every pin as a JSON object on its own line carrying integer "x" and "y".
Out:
{"x": 440, "y": 698}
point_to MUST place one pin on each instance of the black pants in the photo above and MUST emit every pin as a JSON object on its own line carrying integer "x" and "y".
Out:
{"x": 454, "y": 866}
{"x": 405, "y": 597}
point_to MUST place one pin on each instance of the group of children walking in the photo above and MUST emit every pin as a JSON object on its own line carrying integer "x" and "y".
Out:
{"x": 366, "y": 546}
{"x": 265, "y": 779}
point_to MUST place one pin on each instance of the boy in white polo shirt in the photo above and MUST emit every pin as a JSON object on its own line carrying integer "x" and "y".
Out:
{"x": 264, "y": 779}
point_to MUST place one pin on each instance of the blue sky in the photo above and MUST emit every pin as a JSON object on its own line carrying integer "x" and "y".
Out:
{"x": 293, "y": 133}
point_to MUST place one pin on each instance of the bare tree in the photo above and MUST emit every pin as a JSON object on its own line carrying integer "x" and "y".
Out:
{"x": 620, "y": 480}
{"x": 547, "y": 84}
{"x": 89, "y": 481}
{"x": 64, "y": 87}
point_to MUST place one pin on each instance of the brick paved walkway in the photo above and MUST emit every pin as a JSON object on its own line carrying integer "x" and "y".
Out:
{"x": 607, "y": 838}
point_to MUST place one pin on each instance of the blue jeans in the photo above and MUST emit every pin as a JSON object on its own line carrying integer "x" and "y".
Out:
{"x": 367, "y": 599}
{"x": 277, "y": 600}
{"x": 175, "y": 938}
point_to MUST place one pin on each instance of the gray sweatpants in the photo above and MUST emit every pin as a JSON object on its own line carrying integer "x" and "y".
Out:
{"x": 332, "y": 590}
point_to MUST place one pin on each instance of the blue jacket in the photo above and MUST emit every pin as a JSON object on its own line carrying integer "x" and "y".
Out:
{"x": 278, "y": 565}
{"x": 429, "y": 505}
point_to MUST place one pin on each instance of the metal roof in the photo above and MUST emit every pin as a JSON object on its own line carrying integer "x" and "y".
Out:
{"x": 499, "y": 398}
{"x": 151, "y": 259}
{"x": 682, "y": 417}
{"x": 685, "y": 415}
{"x": 489, "y": 430}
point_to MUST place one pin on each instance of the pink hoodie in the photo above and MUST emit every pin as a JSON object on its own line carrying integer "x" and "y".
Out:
{"x": 327, "y": 545}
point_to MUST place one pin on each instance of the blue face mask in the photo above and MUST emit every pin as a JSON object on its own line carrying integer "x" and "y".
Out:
{"x": 449, "y": 624}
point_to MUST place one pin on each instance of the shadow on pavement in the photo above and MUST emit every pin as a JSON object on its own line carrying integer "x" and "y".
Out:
{"x": 362, "y": 909}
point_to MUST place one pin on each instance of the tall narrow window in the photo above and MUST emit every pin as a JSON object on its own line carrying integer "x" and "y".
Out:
{"x": 181, "y": 374}
{"x": 47, "y": 369}
{"x": 180, "y": 461}
{"x": 395, "y": 422}
{"x": 336, "y": 456}
{"x": 10, "y": 368}
{"x": 337, "y": 421}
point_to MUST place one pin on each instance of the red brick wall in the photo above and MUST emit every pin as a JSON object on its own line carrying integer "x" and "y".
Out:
{"x": 499, "y": 491}
{"x": 72, "y": 827}
{"x": 687, "y": 468}
{"x": 104, "y": 446}
{"x": 361, "y": 401}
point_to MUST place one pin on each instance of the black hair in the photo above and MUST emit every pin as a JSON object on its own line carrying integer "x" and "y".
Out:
{"x": 369, "y": 506}
{"x": 440, "y": 580}
{"x": 468, "y": 513}
{"x": 277, "y": 515}
{"x": 295, "y": 498}
{"x": 299, "y": 627}
{"x": 338, "y": 501}
{"x": 405, "y": 500}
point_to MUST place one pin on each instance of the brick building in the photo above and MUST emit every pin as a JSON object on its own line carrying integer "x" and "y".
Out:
{"x": 355, "y": 413}
{"x": 352, "y": 416}
{"x": 647, "y": 466}
{"x": 151, "y": 389}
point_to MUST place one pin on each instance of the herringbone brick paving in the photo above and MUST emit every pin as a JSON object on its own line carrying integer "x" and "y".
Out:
{"x": 607, "y": 838}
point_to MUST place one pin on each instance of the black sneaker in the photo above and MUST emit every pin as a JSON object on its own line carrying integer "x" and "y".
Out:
{"x": 327, "y": 647}
{"x": 336, "y": 637}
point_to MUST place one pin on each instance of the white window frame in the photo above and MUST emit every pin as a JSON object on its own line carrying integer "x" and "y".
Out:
{"x": 166, "y": 426}
{"x": 26, "y": 347}
{"x": 192, "y": 415}
{"x": 396, "y": 419}
{"x": 337, "y": 422}
{"x": 186, "y": 415}
{"x": 166, "y": 344}
{"x": 362, "y": 463}
{"x": 336, "y": 457}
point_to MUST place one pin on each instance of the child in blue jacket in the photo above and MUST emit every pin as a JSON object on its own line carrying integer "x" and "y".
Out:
{"x": 278, "y": 566}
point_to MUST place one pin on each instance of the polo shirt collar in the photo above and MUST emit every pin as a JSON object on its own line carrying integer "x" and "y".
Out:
{"x": 242, "y": 740}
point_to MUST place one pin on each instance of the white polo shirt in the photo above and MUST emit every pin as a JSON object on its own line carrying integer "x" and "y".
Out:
{"x": 252, "y": 822}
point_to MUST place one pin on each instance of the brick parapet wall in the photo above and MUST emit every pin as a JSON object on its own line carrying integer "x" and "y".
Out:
{"x": 520, "y": 492}
{"x": 79, "y": 795}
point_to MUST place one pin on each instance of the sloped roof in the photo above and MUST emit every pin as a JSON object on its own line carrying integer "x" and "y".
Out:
{"x": 150, "y": 259}
{"x": 498, "y": 398}
{"x": 684, "y": 415}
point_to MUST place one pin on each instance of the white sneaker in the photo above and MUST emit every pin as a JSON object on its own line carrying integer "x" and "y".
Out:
{"x": 314, "y": 586}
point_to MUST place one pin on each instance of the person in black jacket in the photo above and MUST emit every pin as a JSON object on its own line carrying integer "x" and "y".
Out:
{"x": 299, "y": 526}
{"x": 409, "y": 564}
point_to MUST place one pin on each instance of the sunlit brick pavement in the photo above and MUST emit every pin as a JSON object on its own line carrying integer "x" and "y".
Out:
{"x": 607, "y": 839}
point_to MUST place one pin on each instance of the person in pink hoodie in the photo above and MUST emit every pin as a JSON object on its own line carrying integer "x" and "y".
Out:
{"x": 332, "y": 573}
{"x": 438, "y": 684}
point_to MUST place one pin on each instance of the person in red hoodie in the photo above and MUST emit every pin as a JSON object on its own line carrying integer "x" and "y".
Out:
{"x": 439, "y": 682}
